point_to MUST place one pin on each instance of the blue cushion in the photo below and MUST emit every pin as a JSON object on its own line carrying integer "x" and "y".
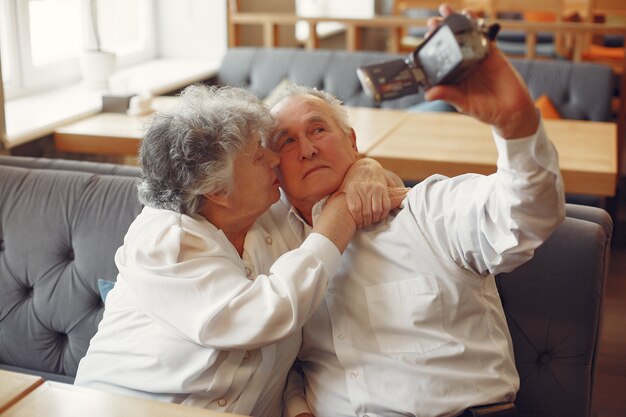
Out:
{"x": 520, "y": 36}
{"x": 614, "y": 41}
{"x": 104, "y": 286}
{"x": 432, "y": 106}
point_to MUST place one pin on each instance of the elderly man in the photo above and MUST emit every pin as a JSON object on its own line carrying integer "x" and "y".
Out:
{"x": 412, "y": 323}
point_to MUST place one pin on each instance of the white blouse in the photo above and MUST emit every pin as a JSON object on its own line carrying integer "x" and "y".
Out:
{"x": 191, "y": 322}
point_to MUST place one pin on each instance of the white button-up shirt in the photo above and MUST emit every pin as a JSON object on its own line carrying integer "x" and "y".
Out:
{"x": 412, "y": 324}
{"x": 185, "y": 324}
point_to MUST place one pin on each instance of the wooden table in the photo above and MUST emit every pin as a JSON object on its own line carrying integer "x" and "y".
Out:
{"x": 119, "y": 134}
{"x": 107, "y": 133}
{"x": 15, "y": 386}
{"x": 414, "y": 145}
{"x": 372, "y": 126}
{"x": 451, "y": 144}
{"x": 53, "y": 399}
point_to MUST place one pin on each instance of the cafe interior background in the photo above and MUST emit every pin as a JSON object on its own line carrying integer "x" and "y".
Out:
{"x": 59, "y": 68}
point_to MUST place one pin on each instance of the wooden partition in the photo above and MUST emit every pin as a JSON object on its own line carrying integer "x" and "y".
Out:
{"x": 553, "y": 7}
{"x": 272, "y": 21}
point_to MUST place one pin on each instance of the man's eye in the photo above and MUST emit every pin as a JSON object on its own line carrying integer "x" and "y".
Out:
{"x": 286, "y": 141}
{"x": 319, "y": 130}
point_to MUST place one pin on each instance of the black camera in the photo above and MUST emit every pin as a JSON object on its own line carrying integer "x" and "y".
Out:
{"x": 447, "y": 56}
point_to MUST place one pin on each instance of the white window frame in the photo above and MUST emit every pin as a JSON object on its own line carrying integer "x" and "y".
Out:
{"x": 42, "y": 77}
{"x": 150, "y": 51}
{"x": 27, "y": 79}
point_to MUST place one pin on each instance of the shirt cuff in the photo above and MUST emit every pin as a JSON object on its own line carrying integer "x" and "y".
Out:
{"x": 325, "y": 250}
{"x": 524, "y": 154}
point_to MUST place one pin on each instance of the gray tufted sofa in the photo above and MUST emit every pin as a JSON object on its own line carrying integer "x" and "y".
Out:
{"x": 581, "y": 91}
{"x": 61, "y": 222}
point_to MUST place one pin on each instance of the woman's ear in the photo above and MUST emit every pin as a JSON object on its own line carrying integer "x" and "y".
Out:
{"x": 218, "y": 199}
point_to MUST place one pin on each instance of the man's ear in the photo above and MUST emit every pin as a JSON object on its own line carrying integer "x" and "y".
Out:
{"x": 352, "y": 135}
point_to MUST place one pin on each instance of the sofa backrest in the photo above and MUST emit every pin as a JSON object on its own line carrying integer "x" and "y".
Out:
{"x": 553, "y": 306}
{"x": 581, "y": 91}
{"x": 260, "y": 70}
{"x": 60, "y": 225}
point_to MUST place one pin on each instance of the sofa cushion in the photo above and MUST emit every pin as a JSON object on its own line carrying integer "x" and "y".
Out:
{"x": 59, "y": 230}
{"x": 560, "y": 288}
{"x": 579, "y": 90}
{"x": 104, "y": 286}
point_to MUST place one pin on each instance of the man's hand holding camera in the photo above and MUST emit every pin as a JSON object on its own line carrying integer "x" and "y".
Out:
{"x": 494, "y": 93}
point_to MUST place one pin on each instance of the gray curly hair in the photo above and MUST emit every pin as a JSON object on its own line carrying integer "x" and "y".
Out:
{"x": 339, "y": 111}
{"x": 188, "y": 151}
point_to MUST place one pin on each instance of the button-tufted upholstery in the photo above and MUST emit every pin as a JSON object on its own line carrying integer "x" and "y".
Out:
{"x": 61, "y": 222}
{"x": 580, "y": 91}
{"x": 553, "y": 307}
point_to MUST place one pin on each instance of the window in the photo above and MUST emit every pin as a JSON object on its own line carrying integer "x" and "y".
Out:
{"x": 50, "y": 45}
{"x": 126, "y": 28}
{"x": 6, "y": 50}
{"x": 42, "y": 40}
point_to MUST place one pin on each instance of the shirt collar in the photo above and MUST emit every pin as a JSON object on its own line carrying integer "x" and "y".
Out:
{"x": 297, "y": 223}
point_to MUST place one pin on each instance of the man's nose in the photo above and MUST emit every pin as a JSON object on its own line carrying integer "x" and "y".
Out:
{"x": 308, "y": 150}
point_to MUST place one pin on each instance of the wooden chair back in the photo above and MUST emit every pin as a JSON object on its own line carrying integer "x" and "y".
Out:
{"x": 400, "y": 6}
{"x": 607, "y": 8}
{"x": 402, "y": 38}
{"x": 544, "y": 10}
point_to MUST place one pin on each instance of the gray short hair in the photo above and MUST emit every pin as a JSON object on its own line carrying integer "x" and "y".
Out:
{"x": 339, "y": 111}
{"x": 188, "y": 151}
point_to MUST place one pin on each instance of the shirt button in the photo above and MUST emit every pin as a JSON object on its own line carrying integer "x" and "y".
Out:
{"x": 248, "y": 271}
{"x": 340, "y": 336}
{"x": 268, "y": 240}
{"x": 354, "y": 374}
{"x": 221, "y": 402}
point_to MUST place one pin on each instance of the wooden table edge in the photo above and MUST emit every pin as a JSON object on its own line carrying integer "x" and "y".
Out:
{"x": 37, "y": 383}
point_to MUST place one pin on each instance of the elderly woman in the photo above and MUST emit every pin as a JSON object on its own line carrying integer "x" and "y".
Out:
{"x": 206, "y": 312}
